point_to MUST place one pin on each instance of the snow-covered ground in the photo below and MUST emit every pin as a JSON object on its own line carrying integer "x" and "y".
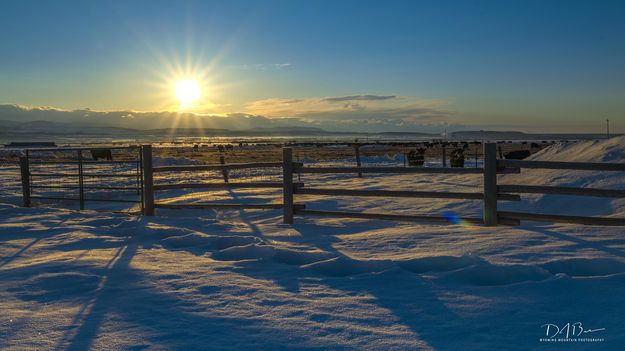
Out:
{"x": 241, "y": 280}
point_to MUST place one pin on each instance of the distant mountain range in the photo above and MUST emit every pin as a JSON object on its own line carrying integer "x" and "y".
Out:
{"x": 515, "y": 135}
{"x": 40, "y": 129}
{"x": 14, "y": 130}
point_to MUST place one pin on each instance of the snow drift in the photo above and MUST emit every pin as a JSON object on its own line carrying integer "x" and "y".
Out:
{"x": 608, "y": 151}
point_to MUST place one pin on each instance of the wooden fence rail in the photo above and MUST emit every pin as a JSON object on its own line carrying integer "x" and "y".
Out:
{"x": 607, "y": 221}
{"x": 583, "y": 166}
{"x": 218, "y": 205}
{"x": 382, "y": 216}
{"x": 560, "y": 190}
{"x": 403, "y": 193}
{"x": 386, "y": 170}
{"x": 228, "y": 185}
{"x": 216, "y": 167}
{"x": 149, "y": 170}
{"x": 491, "y": 193}
{"x": 490, "y": 196}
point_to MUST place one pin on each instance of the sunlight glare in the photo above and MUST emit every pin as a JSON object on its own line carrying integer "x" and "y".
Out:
{"x": 187, "y": 91}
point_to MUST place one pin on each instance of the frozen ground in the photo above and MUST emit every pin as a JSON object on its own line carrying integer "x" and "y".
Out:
{"x": 241, "y": 280}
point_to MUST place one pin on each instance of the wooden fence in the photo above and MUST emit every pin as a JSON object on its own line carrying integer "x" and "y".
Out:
{"x": 489, "y": 196}
{"x": 559, "y": 190}
{"x": 491, "y": 193}
{"x": 151, "y": 188}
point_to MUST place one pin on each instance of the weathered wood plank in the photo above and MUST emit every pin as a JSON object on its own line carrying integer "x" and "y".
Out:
{"x": 391, "y": 217}
{"x": 561, "y": 190}
{"x": 217, "y": 205}
{"x": 91, "y": 175}
{"x": 148, "y": 180}
{"x": 490, "y": 184}
{"x": 25, "y": 175}
{"x": 221, "y": 185}
{"x": 585, "y": 166}
{"x": 287, "y": 185}
{"x": 331, "y": 170}
{"x": 81, "y": 181}
{"x": 84, "y": 187}
{"x": 216, "y": 167}
{"x": 56, "y": 198}
{"x": 85, "y": 162}
{"x": 607, "y": 221}
{"x": 395, "y": 193}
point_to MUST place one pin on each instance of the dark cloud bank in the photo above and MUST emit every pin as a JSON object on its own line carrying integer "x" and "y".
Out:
{"x": 348, "y": 116}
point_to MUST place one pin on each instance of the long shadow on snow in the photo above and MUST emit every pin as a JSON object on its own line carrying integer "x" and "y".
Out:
{"x": 390, "y": 289}
{"x": 118, "y": 291}
{"x": 582, "y": 244}
{"x": 37, "y": 234}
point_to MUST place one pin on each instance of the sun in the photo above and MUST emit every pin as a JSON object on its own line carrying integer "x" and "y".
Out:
{"x": 187, "y": 91}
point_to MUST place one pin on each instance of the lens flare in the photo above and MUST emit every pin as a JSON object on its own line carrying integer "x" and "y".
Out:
{"x": 455, "y": 219}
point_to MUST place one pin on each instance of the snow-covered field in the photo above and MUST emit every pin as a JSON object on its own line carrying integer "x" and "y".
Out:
{"x": 241, "y": 280}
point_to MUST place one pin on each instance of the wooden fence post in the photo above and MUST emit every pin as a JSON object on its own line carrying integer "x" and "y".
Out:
{"x": 224, "y": 171}
{"x": 490, "y": 184}
{"x": 287, "y": 187}
{"x": 357, "y": 151}
{"x": 25, "y": 172}
{"x": 476, "y": 157}
{"x": 148, "y": 180}
{"x": 81, "y": 181}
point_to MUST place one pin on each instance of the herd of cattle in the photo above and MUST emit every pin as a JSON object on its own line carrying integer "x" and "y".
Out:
{"x": 415, "y": 157}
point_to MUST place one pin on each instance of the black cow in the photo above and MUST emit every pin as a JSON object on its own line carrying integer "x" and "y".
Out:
{"x": 456, "y": 158}
{"x": 101, "y": 154}
{"x": 517, "y": 155}
{"x": 522, "y": 154}
{"x": 416, "y": 158}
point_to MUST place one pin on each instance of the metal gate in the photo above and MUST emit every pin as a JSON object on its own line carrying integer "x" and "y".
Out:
{"x": 99, "y": 178}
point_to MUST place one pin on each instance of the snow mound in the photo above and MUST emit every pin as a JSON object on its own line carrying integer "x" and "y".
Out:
{"x": 487, "y": 274}
{"x": 203, "y": 240}
{"x": 226, "y": 241}
{"x": 583, "y": 267}
{"x": 188, "y": 240}
{"x": 438, "y": 263}
{"x": 342, "y": 266}
{"x": 298, "y": 257}
{"x": 602, "y": 151}
{"x": 608, "y": 150}
{"x": 55, "y": 286}
{"x": 247, "y": 252}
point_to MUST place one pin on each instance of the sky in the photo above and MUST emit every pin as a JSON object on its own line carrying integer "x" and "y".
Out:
{"x": 537, "y": 66}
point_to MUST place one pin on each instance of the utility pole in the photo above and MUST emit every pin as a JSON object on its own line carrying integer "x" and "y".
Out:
{"x": 607, "y": 121}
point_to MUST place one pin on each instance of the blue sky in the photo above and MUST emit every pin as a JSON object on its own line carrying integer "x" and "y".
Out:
{"x": 525, "y": 65}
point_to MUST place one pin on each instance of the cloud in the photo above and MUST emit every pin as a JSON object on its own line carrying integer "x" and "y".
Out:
{"x": 358, "y": 112}
{"x": 142, "y": 119}
{"x": 359, "y": 97}
{"x": 369, "y": 113}
{"x": 265, "y": 66}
